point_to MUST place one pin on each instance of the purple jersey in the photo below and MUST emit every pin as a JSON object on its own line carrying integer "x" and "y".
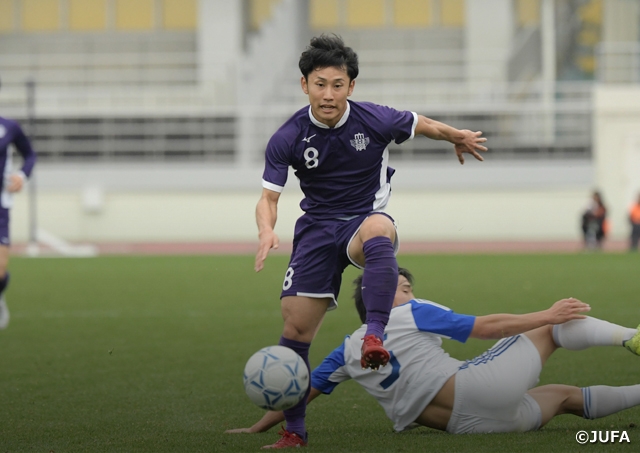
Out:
{"x": 11, "y": 133}
{"x": 343, "y": 171}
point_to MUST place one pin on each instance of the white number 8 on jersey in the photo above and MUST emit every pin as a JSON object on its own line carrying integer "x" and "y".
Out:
{"x": 311, "y": 157}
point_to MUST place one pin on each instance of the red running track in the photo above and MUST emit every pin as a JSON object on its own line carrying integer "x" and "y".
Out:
{"x": 249, "y": 248}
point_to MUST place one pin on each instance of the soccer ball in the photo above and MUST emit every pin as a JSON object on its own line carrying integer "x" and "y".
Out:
{"x": 276, "y": 378}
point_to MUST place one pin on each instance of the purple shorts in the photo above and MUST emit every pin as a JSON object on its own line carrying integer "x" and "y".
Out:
{"x": 4, "y": 227}
{"x": 320, "y": 256}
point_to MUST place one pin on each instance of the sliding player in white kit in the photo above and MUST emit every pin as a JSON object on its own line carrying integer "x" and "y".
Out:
{"x": 495, "y": 392}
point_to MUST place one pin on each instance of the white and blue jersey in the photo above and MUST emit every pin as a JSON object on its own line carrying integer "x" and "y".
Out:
{"x": 418, "y": 367}
{"x": 343, "y": 171}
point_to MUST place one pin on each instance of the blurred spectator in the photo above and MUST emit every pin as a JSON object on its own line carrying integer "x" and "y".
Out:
{"x": 634, "y": 218}
{"x": 594, "y": 223}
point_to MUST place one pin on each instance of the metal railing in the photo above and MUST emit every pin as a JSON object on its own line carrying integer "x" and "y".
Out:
{"x": 618, "y": 62}
{"x": 149, "y": 139}
{"x": 519, "y": 120}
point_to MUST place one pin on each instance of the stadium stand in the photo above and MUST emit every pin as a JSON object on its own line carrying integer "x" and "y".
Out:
{"x": 99, "y": 60}
{"x": 134, "y": 95}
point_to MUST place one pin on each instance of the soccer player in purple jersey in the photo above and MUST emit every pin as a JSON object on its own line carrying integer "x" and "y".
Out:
{"x": 11, "y": 182}
{"x": 339, "y": 151}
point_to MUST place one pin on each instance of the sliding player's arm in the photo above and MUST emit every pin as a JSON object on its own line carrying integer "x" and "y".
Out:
{"x": 270, "y": 419}
{"x": 494, "y": 327}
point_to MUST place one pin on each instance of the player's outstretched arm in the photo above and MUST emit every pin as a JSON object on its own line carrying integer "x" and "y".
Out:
{"x": 464, "y": 141}
{"x": 270, "y": 419}
{"x": 266, "y": 216}
{"x": 493, "y": 327}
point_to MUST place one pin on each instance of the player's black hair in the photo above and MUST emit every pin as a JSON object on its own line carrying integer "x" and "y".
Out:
{"x": 327, "y": 51}
{"x": 357, "y": 292}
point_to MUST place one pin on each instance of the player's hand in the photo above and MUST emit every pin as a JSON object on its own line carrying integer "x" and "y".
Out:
{"x": 470, "y": 143}
{"x": 15, "y": 182}
{"x": 239, "y": 431}
{"x": 567, "y": 309}
{"x": 268, "y": 240}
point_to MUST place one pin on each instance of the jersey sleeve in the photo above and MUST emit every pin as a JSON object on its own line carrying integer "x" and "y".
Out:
{"x": 401, "y": 125}
{"x": 331, "y": 372}
{"x": 23, "y": 146}
{"x": 440, "y": 320}
{"x": 277, "y": 162}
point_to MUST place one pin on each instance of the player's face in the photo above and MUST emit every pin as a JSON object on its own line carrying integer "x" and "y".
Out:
{"x": 404, "y": 292}
{"x": 328, "y": 89}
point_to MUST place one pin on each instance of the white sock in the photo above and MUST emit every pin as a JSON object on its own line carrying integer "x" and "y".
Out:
{"x": 601, "y": 400}
{"x": 584, "y": 333}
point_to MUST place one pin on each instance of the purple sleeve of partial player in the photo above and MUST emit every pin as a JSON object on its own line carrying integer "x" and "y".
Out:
{"x": 24, "y": 148}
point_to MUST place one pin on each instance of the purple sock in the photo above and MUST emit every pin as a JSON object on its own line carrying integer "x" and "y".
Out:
{"x": 295, "y": 415}
{"x": 379, "y": 283}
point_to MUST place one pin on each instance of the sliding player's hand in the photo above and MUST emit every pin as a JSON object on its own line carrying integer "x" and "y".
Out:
{"x": 566, "y": 310}
{"x": 471, "y": 143}
{"x": 239, "y": 431}
{"x": 268, "y": 240}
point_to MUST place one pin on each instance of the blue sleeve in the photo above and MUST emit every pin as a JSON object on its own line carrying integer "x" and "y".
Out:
{"x": 434, "y": 318}
{"x": 321, "y": 374}
{"x": 24, "y": 148}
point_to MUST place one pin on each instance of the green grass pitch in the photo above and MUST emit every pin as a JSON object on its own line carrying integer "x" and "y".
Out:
{"x": 145, "y": 354}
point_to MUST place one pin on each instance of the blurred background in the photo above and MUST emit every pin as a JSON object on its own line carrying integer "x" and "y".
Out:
{"x": 150, "y": 117}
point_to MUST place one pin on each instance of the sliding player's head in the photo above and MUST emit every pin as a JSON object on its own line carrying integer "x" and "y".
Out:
{"x": 404, "y": 292}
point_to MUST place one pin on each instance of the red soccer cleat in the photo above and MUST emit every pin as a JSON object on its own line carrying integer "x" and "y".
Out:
{"x": 374, "y": 355}
{"x": 288, "y": 440}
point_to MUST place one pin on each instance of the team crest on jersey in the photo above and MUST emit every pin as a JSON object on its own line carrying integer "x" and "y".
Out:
{"x": 360, "y": 142}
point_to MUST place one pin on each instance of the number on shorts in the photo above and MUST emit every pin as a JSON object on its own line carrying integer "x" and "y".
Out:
{"x": 288, "y": 279}
{"x": 311, "y": 157}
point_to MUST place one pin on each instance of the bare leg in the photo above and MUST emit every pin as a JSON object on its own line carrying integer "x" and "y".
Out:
{"x": 557, "y": 399}
{"x": 302, "y": 317}
{"x": 4, "y": 260}
{"x": 542, "y": 339}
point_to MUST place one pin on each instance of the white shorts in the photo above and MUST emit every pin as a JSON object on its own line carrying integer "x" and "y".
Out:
{"x": 491, "y": 390}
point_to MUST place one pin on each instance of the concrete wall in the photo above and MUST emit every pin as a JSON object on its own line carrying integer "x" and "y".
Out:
{"x": 197, "y": 215}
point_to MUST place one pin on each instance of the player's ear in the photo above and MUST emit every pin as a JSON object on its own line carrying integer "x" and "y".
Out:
{"x": 352, "y": 84}
{"x": 303, "y": 84}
